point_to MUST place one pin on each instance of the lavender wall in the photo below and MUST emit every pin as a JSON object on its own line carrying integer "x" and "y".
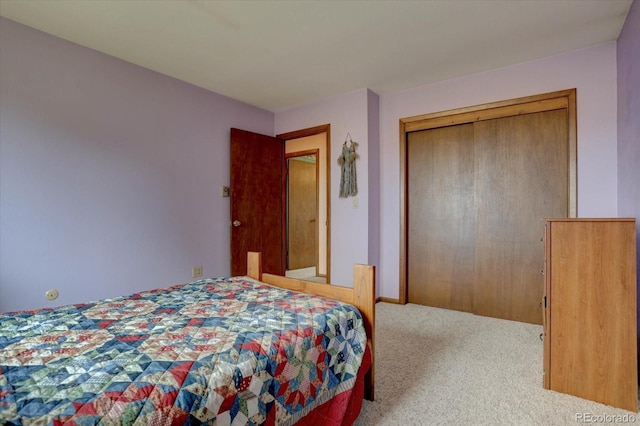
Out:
{"x": 373, "y": 111}
{"x": 346, "y": 113}
{"x": 110, "y": 174}
{"x": 628, "y": 58}
{"x": 591, "y": 71}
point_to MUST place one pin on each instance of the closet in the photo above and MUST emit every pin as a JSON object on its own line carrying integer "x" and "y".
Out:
{"x": 477, "y": 183}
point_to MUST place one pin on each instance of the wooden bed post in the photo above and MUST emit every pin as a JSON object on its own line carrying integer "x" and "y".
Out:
{"x": 254, "y": 265}
{"x": 362, "y": 296}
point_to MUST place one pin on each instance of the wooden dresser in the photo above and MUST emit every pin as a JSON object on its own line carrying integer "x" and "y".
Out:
{"x": 589, "y": 310}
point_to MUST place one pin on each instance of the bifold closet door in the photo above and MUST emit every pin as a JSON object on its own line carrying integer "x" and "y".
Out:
{"x": 440, "y": 233}
{"x": 476, "y": 194}
{"x": 521, "y": 176}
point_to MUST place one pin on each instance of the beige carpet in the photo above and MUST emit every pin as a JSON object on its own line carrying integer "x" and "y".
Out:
{"x": 308, "y": 274}
{"x": 441, "y": 367}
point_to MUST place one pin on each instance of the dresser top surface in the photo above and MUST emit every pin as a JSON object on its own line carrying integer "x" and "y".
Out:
{"x": 589, "y": 219}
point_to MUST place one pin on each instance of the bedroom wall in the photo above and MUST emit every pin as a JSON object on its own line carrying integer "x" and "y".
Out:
{"x": 591, "y": 71}
{"x": 110, "y": 174}
{"x": 628, "y": 46}
{"x": 373, "y": 111}
{"x": 347, "y": 113}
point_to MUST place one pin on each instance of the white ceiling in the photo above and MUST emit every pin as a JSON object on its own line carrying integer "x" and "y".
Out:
{"x": 280, "y": 54}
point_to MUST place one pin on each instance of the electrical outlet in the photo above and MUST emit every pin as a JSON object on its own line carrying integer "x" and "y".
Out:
{"x": 196, "y": 271}
{"x": 356, "y": 203}
{"x": 51, "y": 294}
{"x": 225, "y": 191}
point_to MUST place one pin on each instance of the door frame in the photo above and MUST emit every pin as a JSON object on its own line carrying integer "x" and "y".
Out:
{"x": 564, "y": 99}
{"x": 311, "y": 131}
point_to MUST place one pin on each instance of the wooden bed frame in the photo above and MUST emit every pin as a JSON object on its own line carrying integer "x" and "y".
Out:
{"x": 362, "y": 296}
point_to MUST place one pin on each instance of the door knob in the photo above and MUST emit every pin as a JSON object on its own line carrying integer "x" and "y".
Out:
{"x": 236, "y": 223}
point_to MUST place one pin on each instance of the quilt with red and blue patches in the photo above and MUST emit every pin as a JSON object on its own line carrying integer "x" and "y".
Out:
{"x": 216, "y": 351}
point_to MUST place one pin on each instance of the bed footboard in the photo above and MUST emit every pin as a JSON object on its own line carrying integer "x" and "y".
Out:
{"x": 362, "y": 296}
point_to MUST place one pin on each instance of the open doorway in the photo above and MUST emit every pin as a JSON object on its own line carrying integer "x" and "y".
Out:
{"x": 307, "y": 204}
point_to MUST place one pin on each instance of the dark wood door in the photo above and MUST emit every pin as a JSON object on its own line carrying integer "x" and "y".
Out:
{"x": 476, "y": 196}
{"x": 257, "y": 201}
{"x": 521, "y": 177}
{"x": 302, "y": 213}
{"x": 441, "y": 217}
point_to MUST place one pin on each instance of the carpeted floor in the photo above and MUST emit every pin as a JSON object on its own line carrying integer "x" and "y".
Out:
{"x": 441, "y": 367}
{"x": 308, "y": 274}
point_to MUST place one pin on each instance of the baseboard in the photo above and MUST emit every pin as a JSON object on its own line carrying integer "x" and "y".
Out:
{"x": 388, "y": 300}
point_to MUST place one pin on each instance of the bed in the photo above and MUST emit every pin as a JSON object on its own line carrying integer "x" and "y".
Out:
{"x": 257, "y": 349}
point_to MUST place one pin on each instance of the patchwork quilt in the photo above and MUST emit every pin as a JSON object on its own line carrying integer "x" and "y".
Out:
{"x": 216, "y": 351}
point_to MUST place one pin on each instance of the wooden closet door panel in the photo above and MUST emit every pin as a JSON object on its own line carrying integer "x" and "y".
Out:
{"x": 521, "y": 176}
{"x": 302, "y": 214}
{"x": 441, "y": 215}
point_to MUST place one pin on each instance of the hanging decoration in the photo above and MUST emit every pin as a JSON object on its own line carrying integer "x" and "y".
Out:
{"x": 347, "y": 161}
